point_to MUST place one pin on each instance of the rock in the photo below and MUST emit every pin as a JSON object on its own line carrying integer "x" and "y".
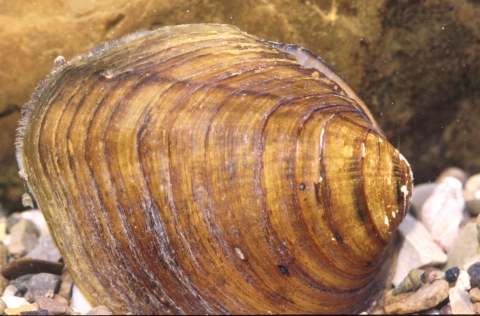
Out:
{"x": 417, "y": 250}
{"x": 54, "y": 307}
{"x": 475, "y": 294}
{"x": 79, "y": 301}
{"x": 3, "y": 306}
{"x": 100, "y": 310}
{"x": 66, "y": 284}
{"x": 23, "y": 266}
{"x": 19, "y": 310}
{"x": 460, "y": 301}
{"x": 472, "y": 194}
{"x": 446, "y": 310}
{"x": 45, "y": 250}
{"x": 10, "y": 290}
{"x": 3, "y": 224}
{"x": 464, "y": 247}
{"x": 3, "y": 261}
{"x": 427, "y": 296}
{"x": 470, "y": 261}
{"x": 60, "y": 299}
{"x": 36, "y": 217}
{"x": 476, "y": 307}
{"x": 451, "y": 274}
{"x": 443, "y": 212}
{"x": 474, "y": 272}
{"x": 14, "y": 301}
{"x": 21, "y": 283}
{"x": 23, "y": 238}
{"x": 12, "y": 219}
{"x": 463, "y": 281}
{"x": 420, "y": 194}
{"x": 41, "y": 284}
{"x": 454, "y": 172}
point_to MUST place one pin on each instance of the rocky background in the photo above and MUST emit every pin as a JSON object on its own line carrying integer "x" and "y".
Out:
{"x": 415, "y": 63}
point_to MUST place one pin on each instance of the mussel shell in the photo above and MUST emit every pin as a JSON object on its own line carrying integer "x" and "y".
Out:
{"x": 198, "y": 169}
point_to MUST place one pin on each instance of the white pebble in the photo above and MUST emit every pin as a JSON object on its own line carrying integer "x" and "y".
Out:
{"x": 14, "y": 301}
{"x": 10, "y": 290}
{"x": 442, "y": 213}
{"x": 79, "y": 301}
{"x": 36, "y": 217}
{"x": 463, "y": 281}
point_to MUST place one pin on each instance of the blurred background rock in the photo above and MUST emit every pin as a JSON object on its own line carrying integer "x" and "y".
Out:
{"x": 415, "y": 63}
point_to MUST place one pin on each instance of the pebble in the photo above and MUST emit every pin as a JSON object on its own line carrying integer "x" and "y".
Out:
{"x": 443, "y": 212}
{"x": 52, "y": 306}
{"x": 23, "y": 266}
{"x": 475, "y": 294}
{"x": 476, "y": 307}
{"x": 36, "y": 217}
{"x": 23, "y": 238}
{"x": 45, "y": 250}
{"x": 474, "y": 272}
{"x": 470, "y": 261}
{"x": 451, "y": 274}
{"x": 418, "y": 249}
{"x": 460, "y": 301}
{"x": 427, "y": 296}
{"x": 79, "y": 301}
{"x": 463, "y": 281}
{"x": 40, "y": 285}
{"x": 472, "y": 194}
{"x": 10, "y": 290}
{"x": 21, "y": 283}
{"x": 60, "y": 299}
{"x": 14, "y": 301}
{"x": 66, "y": 284}
{"x": 446, "y": 310}
{"x": 3, "y": 306}
{"x": 20, "y": 309}
{"x": 420, "y": 194}
{"x": 100, "y": 310}
{"x": 464, "y": 247}
{"x": 454, "y": 172}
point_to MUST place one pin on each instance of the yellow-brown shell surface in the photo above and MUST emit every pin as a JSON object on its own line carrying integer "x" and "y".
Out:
{"x": 198, "y": 169}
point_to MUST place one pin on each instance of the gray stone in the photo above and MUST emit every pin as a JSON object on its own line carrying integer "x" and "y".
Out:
{"x": 427, "y": 296}
{"x": 420, "y": 194}
{"x": 474, "y": 272}
{"x": 40, "y": 285}
{"x": 21, "y": 283}
{"x": 464, "y": 247}
{"x": 45, "y": 250}
{"x": 36, "y": 217}
{"x": 23, "y": 238}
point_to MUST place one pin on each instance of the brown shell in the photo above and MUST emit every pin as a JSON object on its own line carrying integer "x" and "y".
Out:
{"x": 198, "y": 169}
